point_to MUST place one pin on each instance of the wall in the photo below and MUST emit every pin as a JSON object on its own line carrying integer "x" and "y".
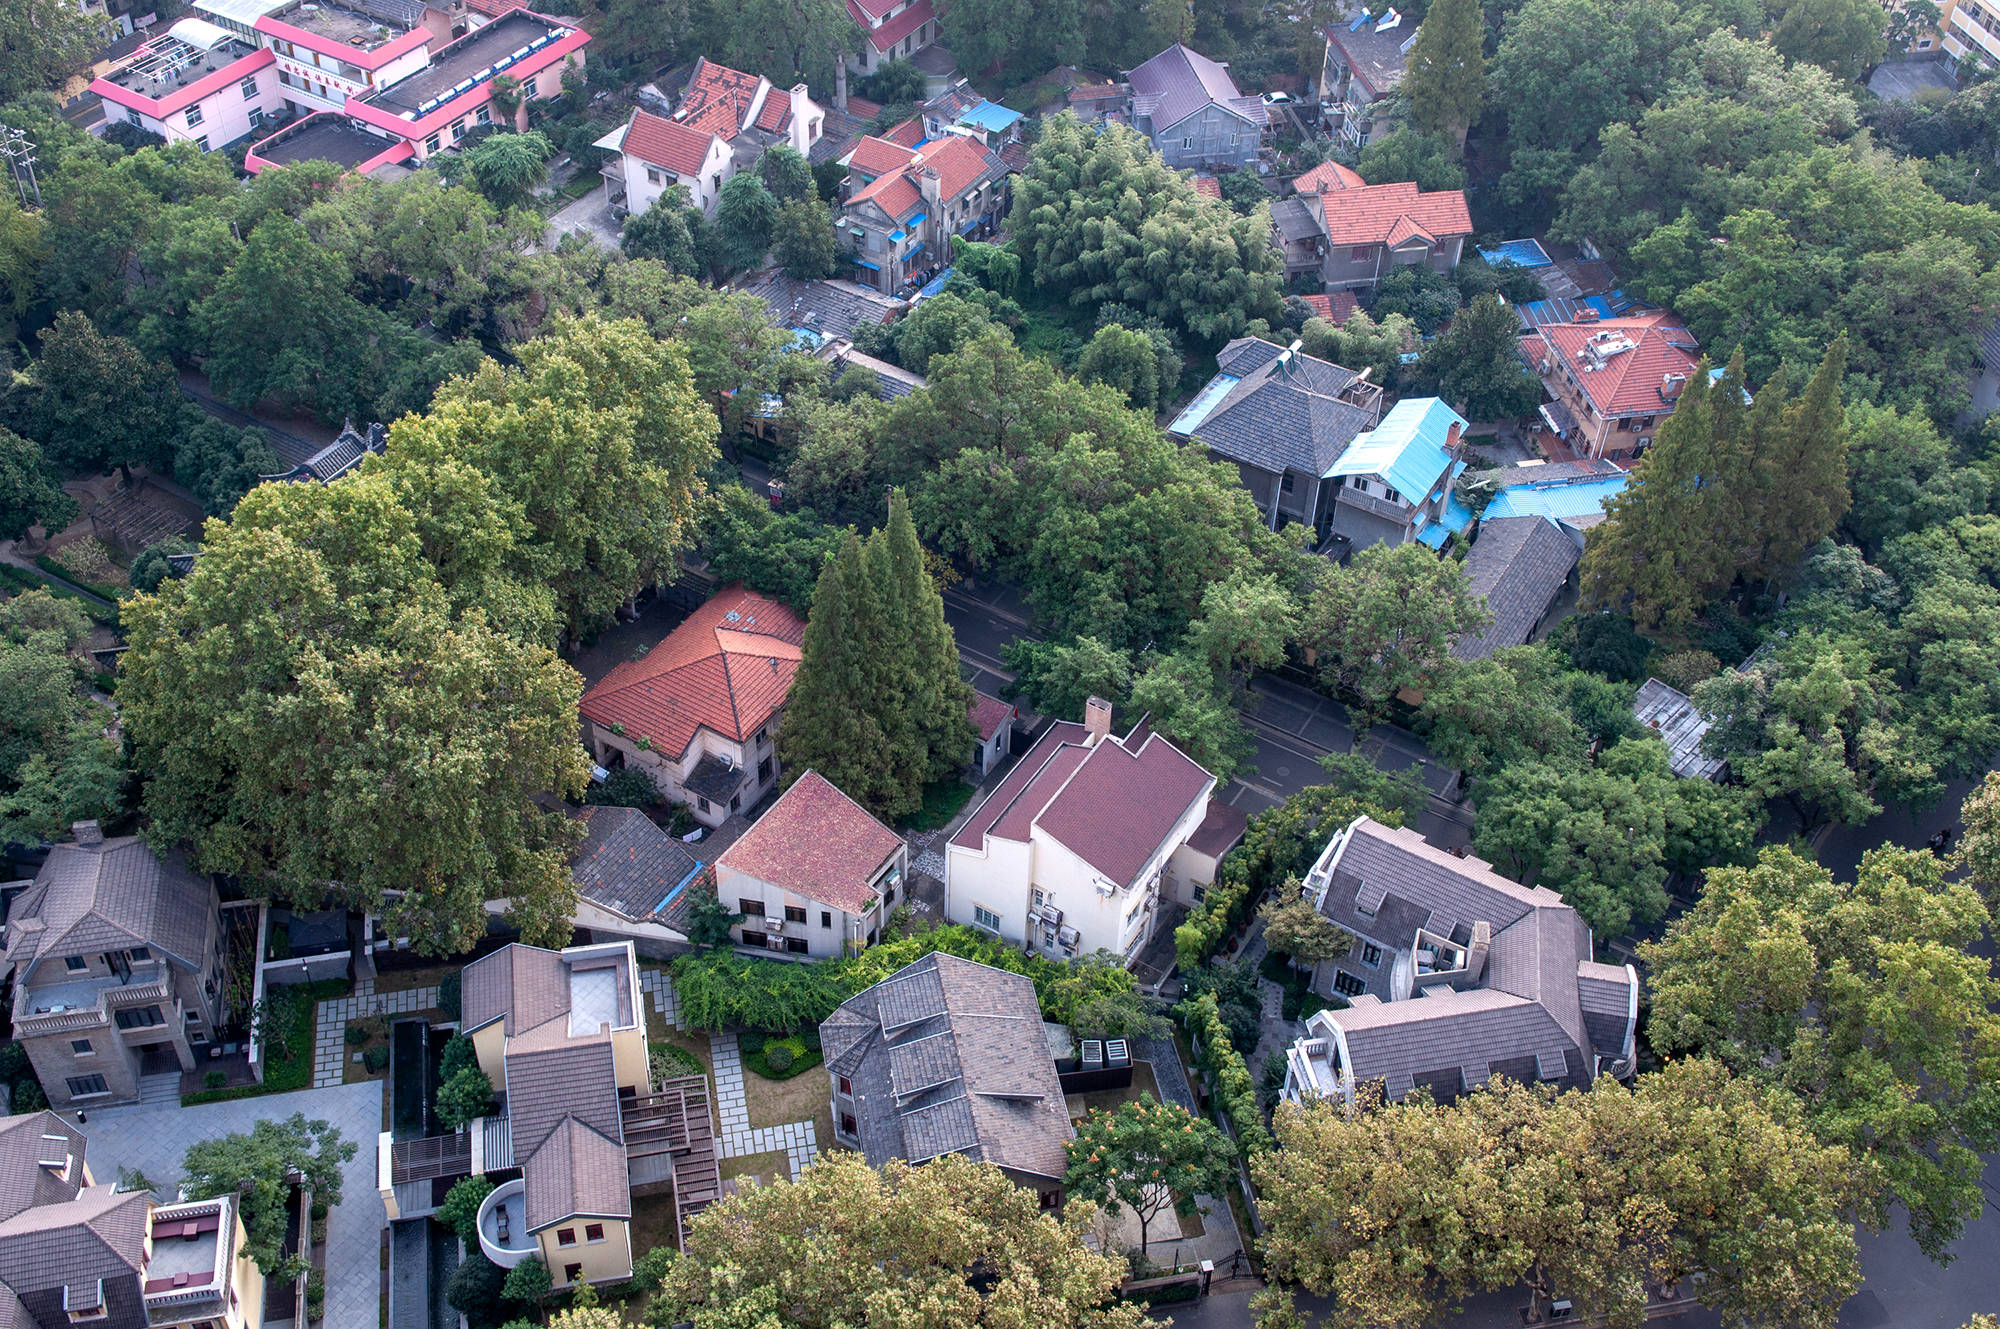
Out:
{"x": 642, "y": 191}
{"x": 997, "y": 879}
{"x": 249, "y": 1310}
{"x": 822, "y": 943}
{"x": 111, "y": 1058}
{"x": 490, "y": 1042}
{"x": 1211, "y": 136}
{"x": 607, "y": 1261}
{"x": 310, "y": 969}
{"x": 1187, "y": 869}
{"x": 669, "y": 772}
{"x": 225, "y": 113}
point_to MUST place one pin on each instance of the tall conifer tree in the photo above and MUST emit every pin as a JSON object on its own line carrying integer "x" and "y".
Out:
{"x": 1446, "y": 82}
{"x": 1802, "y": 480}
{"x": 941, "y": 699}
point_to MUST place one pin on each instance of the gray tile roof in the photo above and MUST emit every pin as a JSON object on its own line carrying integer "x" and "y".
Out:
{"x": 97, "y": 1235}
{"x": 1378, "y": 59}
{"x": 1668, "y": 712}
{"x": 1604, "y": 991}
{"x": 1524, "y": 1004}
{"x": 830, "y": 308}
{"x": 947, "y": 1056}
{"x": 1518, "y": 565}
{"x": 1178, "y": 83}
{"x": 627, "y": 864}
{"x": 112, "y": 896}
{"x": 1295, "y": 221}
{"x": 27, "y": 1142}
{"x": 1282, "y": 416}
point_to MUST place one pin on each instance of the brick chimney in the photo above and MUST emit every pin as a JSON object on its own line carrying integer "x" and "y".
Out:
{"x": 1475, "y": 954}
{"x": 88, "y": 834}
{"x": 1096, "y": 720}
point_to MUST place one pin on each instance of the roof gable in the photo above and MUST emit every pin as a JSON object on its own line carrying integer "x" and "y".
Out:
{"x": 1118, "y": 808}
{"x": 1411, "y": 448}
{"x": 627, "y": 864}
{"x": 817, "y": 842}
{"x": 667, "y": 143}
{"x": 1179, "y": 82}
{"x": 720, "y": 100}
{"x": 1516, "y": 566}
{"x": 1393, "y": 215}
{"x": 112, "y": 896}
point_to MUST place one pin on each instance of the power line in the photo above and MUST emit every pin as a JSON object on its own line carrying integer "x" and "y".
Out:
{"x": 19, "y": 150}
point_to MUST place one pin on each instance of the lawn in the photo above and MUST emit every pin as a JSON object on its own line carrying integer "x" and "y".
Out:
{"x": 942, "y": 801}
{"x": 776, "y": 1102}
{"x": 765, "y": 1167}
{"x": 294, "y": 1070}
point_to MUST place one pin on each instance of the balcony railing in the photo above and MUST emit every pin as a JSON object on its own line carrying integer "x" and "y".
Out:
{"x": 149, "y": 984}
{"x": 1381, "y": 507}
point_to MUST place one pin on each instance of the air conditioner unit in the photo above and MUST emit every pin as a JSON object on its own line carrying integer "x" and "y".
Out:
{"x": 774, "y": 925}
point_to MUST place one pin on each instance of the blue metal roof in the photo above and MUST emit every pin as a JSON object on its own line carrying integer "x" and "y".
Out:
{"x": 1204, "y": 402}
{"x": 1408, "y": 449}
{"x": 916, "y": 220}
{"x": 1583, "y": 499}
{"x": 1434, "y": 535}
{"x": 991, "y": 117}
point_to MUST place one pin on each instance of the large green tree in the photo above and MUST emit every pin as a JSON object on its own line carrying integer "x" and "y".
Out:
{"x": 30, "y": 494}
{"x": 1385, "y": 621}
{"x": 1446, "y": 80}
{"x": 1862, "y": 999}
{"x": 952, "y": 1242}
{"x": 312, "y": 712}
{"x": 59, "y": 759}
{"x": 257, "y": 1166}
{"x": 43, "y": 45}
{"x": 1476, "y": 365}
{"x": 509, "y": 168}
{"x": 878, "y": 706}
{"x": 97, "y": 401}
{"x": 1482, "y": 715}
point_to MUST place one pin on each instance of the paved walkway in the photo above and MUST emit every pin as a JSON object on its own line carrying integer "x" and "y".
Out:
{"x": 1219, "y": 1239}
{"x": 799, "y": 1140}
{"x": 665, "y": 1000}
{"x": 154, "y": 1140}
{"x": 330, "y": 1029}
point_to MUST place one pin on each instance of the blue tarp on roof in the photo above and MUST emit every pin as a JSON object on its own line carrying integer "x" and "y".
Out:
{"x": 991, "y": 117}
{"x": 1434, "y": 535}
{"x": 1521, "y": 253}
{"x": 1560, "y": 501}
{"x": 1408, "y": 449}
{"x": 935, "y": 286}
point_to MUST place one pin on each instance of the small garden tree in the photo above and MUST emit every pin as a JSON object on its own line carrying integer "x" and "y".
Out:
{"x": 1150, "y": 1157}
{"x": 709, "y": 922}
{"x": 259, "y": 1167}
{"x": 1293, "y": 927}
{"x": 460, "y": 1210}
{"x": 465, "y": 1096}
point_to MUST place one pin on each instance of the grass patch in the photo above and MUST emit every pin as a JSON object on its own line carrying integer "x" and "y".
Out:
{"x": 780, "y": 1102}
{"x": 20, "y": 579}
{"x": 293, "y": 1072}
{"x": 942, "y": 801}
{"x": 409, "y": 980}
{"x": 803, "y": 1050}
{"x": 764, "y": 1167}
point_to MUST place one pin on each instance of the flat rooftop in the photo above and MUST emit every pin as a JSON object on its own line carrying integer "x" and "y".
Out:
{"x": 349, "y": 25}
{"x": 167, "y": 64}
{"x": 326, "y": 138}
{"x": 467, "y": 60}
{"x": 184, "y": 1249}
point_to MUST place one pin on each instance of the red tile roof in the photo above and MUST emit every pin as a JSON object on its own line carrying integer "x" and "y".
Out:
{"x": 878, "y": 156}
{"x": 726, "y": 669}
{"x": 663, "y": 142}
{"x": 894, "y": 193}
{"x": 907, "y": 135}
{"x": 1111, "y": 805}
{"x": 861, "y": 108}
{"x": 988, "y": 714}
{"x": 717, "y": 98}
{"x": 1220, "y": 830}
{"x": 1337, "y": 307}
{"x": 816, "y": 842}
{"x": 959, "y": 161}
{"x": 1373, "y": 214}
{"x": 1327, "y": 176}
{"x": 885, "y": 37}
{"x": 492, "y": 8}
{"x": 777, "y": 112}
{"x": 1630, "y": 381}
{"x": 870, "y": 9}
{"x": 1207, "y": 186}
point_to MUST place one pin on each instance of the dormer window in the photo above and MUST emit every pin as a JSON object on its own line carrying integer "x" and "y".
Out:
{"x": 84, "y": 1301}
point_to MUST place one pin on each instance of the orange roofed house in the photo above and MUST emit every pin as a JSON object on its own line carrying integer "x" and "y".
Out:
{"x": 1612, "y": 380}
{"x": 816, "y": 876}
{"x": 904, "y": 204}
{"x": 722, "y": 122}
{"x": 699, "y": 713}
{"x": 1364, "y": 234}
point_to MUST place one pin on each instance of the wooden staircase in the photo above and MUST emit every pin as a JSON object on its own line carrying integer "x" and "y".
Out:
{"x": 674, "y": 1119}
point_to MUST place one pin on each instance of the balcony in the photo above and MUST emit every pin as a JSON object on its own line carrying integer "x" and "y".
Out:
{"x": 1380, "y": 507}
{"x": 503, "y": 1226}
{"x": 87, "y": 1003}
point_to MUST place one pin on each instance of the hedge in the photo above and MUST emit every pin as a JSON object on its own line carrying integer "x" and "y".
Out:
{"x": 1229, "y": 1080}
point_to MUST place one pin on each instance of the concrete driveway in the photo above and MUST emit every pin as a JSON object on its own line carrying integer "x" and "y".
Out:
{"x": 154, "y": 1139}
{"x": 591, "y": 215}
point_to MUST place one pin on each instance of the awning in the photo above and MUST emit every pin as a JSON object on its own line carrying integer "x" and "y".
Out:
{"x": 1434, "y": 536}
{"x": 971, "y": 223}
{"x": 1557, "y": 417}
{"x": 864, "y": 263}
{"x": 911, "y": 223}
{"x": 915, "y": 249}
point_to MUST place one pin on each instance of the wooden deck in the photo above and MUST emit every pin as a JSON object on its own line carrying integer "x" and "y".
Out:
{"x": 674, "y": 1119}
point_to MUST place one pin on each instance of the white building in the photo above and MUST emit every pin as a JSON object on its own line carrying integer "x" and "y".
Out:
{"x": 722, "y": 122}
{"x": 1070, "y": 853}
{"x": 816, "y": 875}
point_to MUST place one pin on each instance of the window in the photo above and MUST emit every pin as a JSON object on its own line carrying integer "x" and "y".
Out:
{"x": 194, "y": 115}
{"x": 794, "y": 914}
{"x": 83, "y": 1086}
{"x": 736, "y": 802}
{"x": 1360, "y": 253}
{"x": 249, "y": 86}
{"x": 845, "y": 1085}
{"x": 457, "y": 133}
{"x": 485, "y": 116}
{"x": 985, "y": 918}
{"x": 763, "y": 770}
{"x": 1041, "y": 897}
{"x": 572, "y": 1273}
{"x": 653, "y": 176}
{"x": 76, "y": 963}
{"x": 796, "y": 945}
{"x": 256, "y": 116}
{"x": 593, "y": 1232}
{"x": 565, "y": 1236}
{"x": 135, "y": 118}
{"x": 1286, "y": 484}
{"x": 82, "y": 1048}
{"x": 431, "y": 144}
{"x": 140, "y": 1017}
{"x": 826, "y": 918}
{"x": 285, "y": 77}
{"x": 847, "y": 1126}
{"x": 889, "y": 894}
{"x": 750, "y": 908}
{"x": 1347, "y": 985}
{"x": 1050, "y": 1199}
{"x": 1371, "y": 954}
{"x": 753, "y": 939}
{"x": 202, "y": 143}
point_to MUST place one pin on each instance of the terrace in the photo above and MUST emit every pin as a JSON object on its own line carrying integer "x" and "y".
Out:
{"x": 169, "y": 63}
{"x": 363, "y": 26}
{"x": 503, "y": 1225}
{"x": 188, "y": 1261}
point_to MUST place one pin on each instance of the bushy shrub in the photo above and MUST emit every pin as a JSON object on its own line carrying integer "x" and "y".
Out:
{"x": 464, "y": 1097}
{"x": 356, "y": 1035}
{"x": 779, "y": 1057}
{"x": 375, "y": 1058}
{"x": 460, "y": 1210}
{"x": 448, "y": 990}
{"x": 1228, "y": 1078}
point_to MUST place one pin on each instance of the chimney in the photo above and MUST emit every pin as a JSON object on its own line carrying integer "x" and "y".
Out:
{"x": 1097, "y": 720}
{"x": 88, "y": 834}
{"x": 801, "y": 127}
{"x": 1451, "y": 436}
{"x": 1475, "y": 954}
{"x": 840, "y": 82}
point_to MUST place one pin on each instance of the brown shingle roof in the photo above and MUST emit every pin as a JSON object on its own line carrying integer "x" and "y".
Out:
{"x": 576, "y": 1173}
{"x": 1374, "y": 214}
{"x": 1220, "y": 830}
{"x": 24, "y": 1181}
{"x": 99, "y": 1234}
{"x": 112, "y": 896}
{"x": 816, "y": 842}
{"x": 526, "y": 985}
{"x": 727, "y": 669}
{"x": 988, "y": 714}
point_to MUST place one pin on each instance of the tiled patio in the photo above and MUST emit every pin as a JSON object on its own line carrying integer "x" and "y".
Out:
{"x": 330, "y": 1027}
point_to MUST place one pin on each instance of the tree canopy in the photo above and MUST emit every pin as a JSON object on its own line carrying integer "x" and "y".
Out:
{"x": 256, "y": 1167}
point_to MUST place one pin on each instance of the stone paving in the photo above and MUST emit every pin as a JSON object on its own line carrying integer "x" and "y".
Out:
{"x": 154, "y": 1139}
{"x": 330, "y": 1030}
{"x": 665, "y": 1000}
{"x": 1219, "y": 1239}
{"x": 799, "y": 1140}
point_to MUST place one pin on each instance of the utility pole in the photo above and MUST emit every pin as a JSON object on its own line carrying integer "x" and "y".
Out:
{"x": 19, "y": 150}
